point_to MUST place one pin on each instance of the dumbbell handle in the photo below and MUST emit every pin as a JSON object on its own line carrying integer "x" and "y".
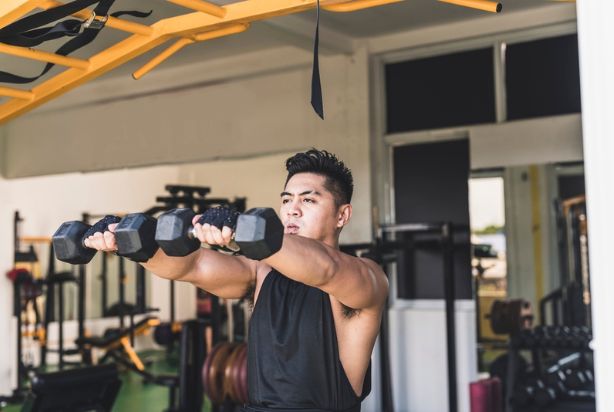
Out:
{"x": 232, "y": 245}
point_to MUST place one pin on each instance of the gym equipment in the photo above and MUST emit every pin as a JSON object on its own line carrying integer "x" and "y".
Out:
{"x": 485, "y": 395}
{"x": 553, "y": 337}
{"x": 135, "y": 237}
{"x": 57, "y": 282}
{"x": 572, "y": 236}
{"x": 510, "y": 316}
{"x": 167, "y": 332}
{"x": 117, "y": 343}
{"x": 133, "y": 234}
{"x": 93, "y": 388}
{"x": 258, "y": 233}
{"x": 224, "y": 373}
{"x": 213, "y": 21}
{"x": 68, "y": 240}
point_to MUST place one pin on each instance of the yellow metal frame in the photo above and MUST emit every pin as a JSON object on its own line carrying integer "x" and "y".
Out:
{"x": 204, "y": 21}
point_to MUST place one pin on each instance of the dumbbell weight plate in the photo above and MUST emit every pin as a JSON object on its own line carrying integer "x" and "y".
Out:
{"x": 243, "y": 378}
{"x": 163, "y": 334}
{"x": 216, "y": 373}
{"x": 228, "y": 372}
{"x": 207, "y": 367}
{"x": 67, "y": 249}
{"x": 236, "y": 374}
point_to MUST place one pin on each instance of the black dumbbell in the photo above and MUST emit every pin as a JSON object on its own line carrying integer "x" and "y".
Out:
{"x": 68, "y": 240}
{"x": 134, "y": 236}
{"x": 575, "y": 379}
{"x": 526, "y": 339}
{"x": 544, "y": 395}
{"x": 258, "y": 233}
{"x": 167, "y": 332}
{"x": 522, "y": 395}
{"x": 556, "y": 379}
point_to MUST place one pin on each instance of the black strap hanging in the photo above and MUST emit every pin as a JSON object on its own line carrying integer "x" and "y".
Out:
{"x": 27, "y": 32}
{"x": 316, "y": 86}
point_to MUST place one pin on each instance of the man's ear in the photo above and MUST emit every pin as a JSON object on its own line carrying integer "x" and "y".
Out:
{"x": 344, "y": 215}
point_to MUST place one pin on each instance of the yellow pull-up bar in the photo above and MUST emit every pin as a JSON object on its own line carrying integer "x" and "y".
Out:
{"x": 202, "y": 6}
{"x": 16, "y": 93}
{"x": 181, "y": 43}
{"x": 485, "y": 5}
{"x": 205, "y": 21}
{"x": 43, "y": 56}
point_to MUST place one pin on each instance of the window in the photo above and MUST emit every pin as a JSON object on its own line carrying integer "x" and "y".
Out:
{"x": 542, "y": 77}
{"x": 442, "y": 91}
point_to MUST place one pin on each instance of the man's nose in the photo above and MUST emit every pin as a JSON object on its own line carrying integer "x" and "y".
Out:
{"x": 294, "y": 209}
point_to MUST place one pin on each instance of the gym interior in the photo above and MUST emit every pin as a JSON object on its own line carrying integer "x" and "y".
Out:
{"x": 479, "y": 138}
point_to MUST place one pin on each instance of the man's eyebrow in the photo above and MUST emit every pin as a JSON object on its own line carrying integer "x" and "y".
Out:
{"x": 306, "y": 192}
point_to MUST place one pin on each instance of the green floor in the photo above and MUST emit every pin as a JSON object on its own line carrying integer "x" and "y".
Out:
{"x": 136, "y": 395}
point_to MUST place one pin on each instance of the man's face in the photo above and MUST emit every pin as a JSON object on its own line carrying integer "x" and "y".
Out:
{"x": 308, "y": 208}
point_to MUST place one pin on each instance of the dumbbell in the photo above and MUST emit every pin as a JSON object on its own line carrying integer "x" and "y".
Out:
{"x": 526, "y": 338}
{"x": 134, "y": 236}
{"x": 556, "y": 379}
{"x": 258, "y": 233}
{"x": 544, "y": 395}
{"x": 576, "y": 379}
{"x": 167, "y": 332}
{"x": 523, "y": 395}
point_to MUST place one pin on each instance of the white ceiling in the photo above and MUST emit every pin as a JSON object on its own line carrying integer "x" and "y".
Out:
{"x": 406, "y": 15}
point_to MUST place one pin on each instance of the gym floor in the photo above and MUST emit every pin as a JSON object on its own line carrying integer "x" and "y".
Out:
{"x": 136, "y": 395}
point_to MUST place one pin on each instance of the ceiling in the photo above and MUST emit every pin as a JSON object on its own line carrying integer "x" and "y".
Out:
{"x": 406, "y": 15}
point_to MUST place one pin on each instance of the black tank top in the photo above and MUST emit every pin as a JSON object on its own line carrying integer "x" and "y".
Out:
{"x": 293, "y": 357}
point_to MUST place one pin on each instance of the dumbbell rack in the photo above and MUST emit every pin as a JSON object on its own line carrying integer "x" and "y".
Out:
{"x": 539, "y": 342}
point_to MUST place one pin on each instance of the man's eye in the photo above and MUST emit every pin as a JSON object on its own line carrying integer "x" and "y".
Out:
{"x": 307, "y": 200}
{"x": 284, "y": 201}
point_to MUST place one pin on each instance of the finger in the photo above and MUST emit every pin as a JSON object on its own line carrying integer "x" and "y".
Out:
{"x": 109, "y": 239}
{"x": 96, "y": 241}
{"x": 195, "y": 219}
{"x": 208, "y": 234}
{"x": 112, "y": 226}
{"x": 226, "y": 234}
{"x": 198, "y": 232}
{"x": 217, "y": 236}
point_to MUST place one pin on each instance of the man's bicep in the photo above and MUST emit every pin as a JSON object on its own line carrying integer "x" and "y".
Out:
{"x": 223, "y": 275}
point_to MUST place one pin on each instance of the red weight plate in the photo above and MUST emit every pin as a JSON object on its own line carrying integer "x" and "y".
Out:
{"x": 207, "y": 366}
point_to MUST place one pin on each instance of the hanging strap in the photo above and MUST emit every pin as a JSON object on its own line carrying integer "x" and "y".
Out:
{"x": 316, "y": 86}
{"x": 28, "y": 33}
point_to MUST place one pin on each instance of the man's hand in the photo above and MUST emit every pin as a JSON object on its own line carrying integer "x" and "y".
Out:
{"x": 216, "y": 226}
{"x": 104, "y": 242}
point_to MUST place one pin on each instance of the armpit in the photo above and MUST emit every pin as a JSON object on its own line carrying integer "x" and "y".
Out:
{"x": 349, "y": 312}
{"x": 249, "y": 295}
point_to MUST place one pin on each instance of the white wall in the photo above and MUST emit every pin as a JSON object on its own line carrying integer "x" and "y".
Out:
{"x": 418, "y": 355}
{"x": 7, "y": 363}
{"x": 596, "y": 68}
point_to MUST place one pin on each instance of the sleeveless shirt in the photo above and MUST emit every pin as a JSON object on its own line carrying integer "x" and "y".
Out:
{"x": 293, "y": 355}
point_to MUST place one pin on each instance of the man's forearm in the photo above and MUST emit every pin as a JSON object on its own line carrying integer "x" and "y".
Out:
{"x": 223, "y": 275}
{"x": 170, "y": 267}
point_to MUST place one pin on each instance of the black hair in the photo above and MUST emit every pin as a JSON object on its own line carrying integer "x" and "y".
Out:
{"x": 339, "y": 179}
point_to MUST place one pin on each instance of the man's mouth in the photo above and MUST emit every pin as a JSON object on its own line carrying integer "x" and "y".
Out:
{"x": 292, "y": 228}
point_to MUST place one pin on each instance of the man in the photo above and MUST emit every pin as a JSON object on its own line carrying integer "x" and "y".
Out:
{"x": 317, "y": 311}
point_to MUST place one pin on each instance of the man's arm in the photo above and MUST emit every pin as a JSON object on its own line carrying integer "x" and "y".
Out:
{"x": 223, "y": 275}
{"x": 355, "y": 282}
